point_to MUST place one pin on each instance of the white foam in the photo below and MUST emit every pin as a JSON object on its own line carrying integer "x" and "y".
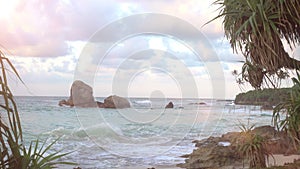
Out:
{"x": 143, "y": 101}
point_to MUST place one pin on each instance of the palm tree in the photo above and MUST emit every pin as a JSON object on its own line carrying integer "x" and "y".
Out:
{"x": 258, "y": 28}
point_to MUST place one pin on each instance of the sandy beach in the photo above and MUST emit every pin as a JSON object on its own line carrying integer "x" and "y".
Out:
{"x": 281, "y": 159}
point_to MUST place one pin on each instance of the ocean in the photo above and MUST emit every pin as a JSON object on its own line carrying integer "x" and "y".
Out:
{"x": 146, "y": 135}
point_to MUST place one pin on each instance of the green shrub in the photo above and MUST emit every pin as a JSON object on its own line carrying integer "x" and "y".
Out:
{"x": 252, "y": 147}
{"x": 38, "y": 157}
{"x": 286, "y": 116}
{"x": 265, "y": 96}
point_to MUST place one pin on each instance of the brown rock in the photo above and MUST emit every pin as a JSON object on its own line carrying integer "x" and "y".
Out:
{"x": 66, "y": 103}
{"x": 265, "y": 131}
{"x": 100, "y": 104}
{"x": 209, "y": 153}
{"x": 170, "y": 105}
{"x": 82, "y": 95}
{"x": 116, "y": 102}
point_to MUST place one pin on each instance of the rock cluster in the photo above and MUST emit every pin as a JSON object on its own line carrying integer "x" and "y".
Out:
{"x": 222, "y": 152}
{"x": 211, "y": 153}
{"x": 81, "y": 95}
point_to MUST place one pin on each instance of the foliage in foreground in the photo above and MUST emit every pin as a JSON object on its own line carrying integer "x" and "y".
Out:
{"x": 258, "y": 28}
{"x": 286, "y": 116}
{"x": 252, "y": 147}
{"x": 13, "y": 153}
{"x": 37, "y": 156}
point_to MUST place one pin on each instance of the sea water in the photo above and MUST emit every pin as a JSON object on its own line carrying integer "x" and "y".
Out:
{"x": 145, "y": 135}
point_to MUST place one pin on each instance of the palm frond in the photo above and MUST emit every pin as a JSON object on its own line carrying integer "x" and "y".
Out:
{"x": 13, "y": 154}
{"x": 257, "y": 27}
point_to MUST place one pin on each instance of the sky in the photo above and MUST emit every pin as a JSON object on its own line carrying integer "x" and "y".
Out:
{"x": 124, "y": 47}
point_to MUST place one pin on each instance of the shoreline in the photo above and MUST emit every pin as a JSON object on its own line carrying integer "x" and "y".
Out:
{"x": 280, "y": 160}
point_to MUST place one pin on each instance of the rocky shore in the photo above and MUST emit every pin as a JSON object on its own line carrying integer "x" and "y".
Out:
{"x": 223, "y": 152}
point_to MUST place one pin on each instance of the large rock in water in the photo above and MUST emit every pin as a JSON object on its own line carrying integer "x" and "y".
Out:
{"x": 116, "y": 102}
{"x": 81, "y": 96}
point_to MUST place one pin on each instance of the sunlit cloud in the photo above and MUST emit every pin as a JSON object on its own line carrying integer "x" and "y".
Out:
{"x": 50, "y": 38}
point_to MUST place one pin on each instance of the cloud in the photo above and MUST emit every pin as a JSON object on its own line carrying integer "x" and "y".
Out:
{"x": 53, "y": 34}
{"x": 33, "y": 30}
{"x": 43, "y": 76}
{"x": 42, "y": 28}
{"x": 39, "y": 69}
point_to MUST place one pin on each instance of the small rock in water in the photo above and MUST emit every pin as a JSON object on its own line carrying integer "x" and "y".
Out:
{"x": 198, "y": 103}
{"x": 170, "y": 105}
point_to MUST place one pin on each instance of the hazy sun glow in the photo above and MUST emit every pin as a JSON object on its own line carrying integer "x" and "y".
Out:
{"x": 7, "y": 7}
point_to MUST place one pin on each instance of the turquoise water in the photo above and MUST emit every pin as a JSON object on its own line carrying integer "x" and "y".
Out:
{"x": 144, "y": 135}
